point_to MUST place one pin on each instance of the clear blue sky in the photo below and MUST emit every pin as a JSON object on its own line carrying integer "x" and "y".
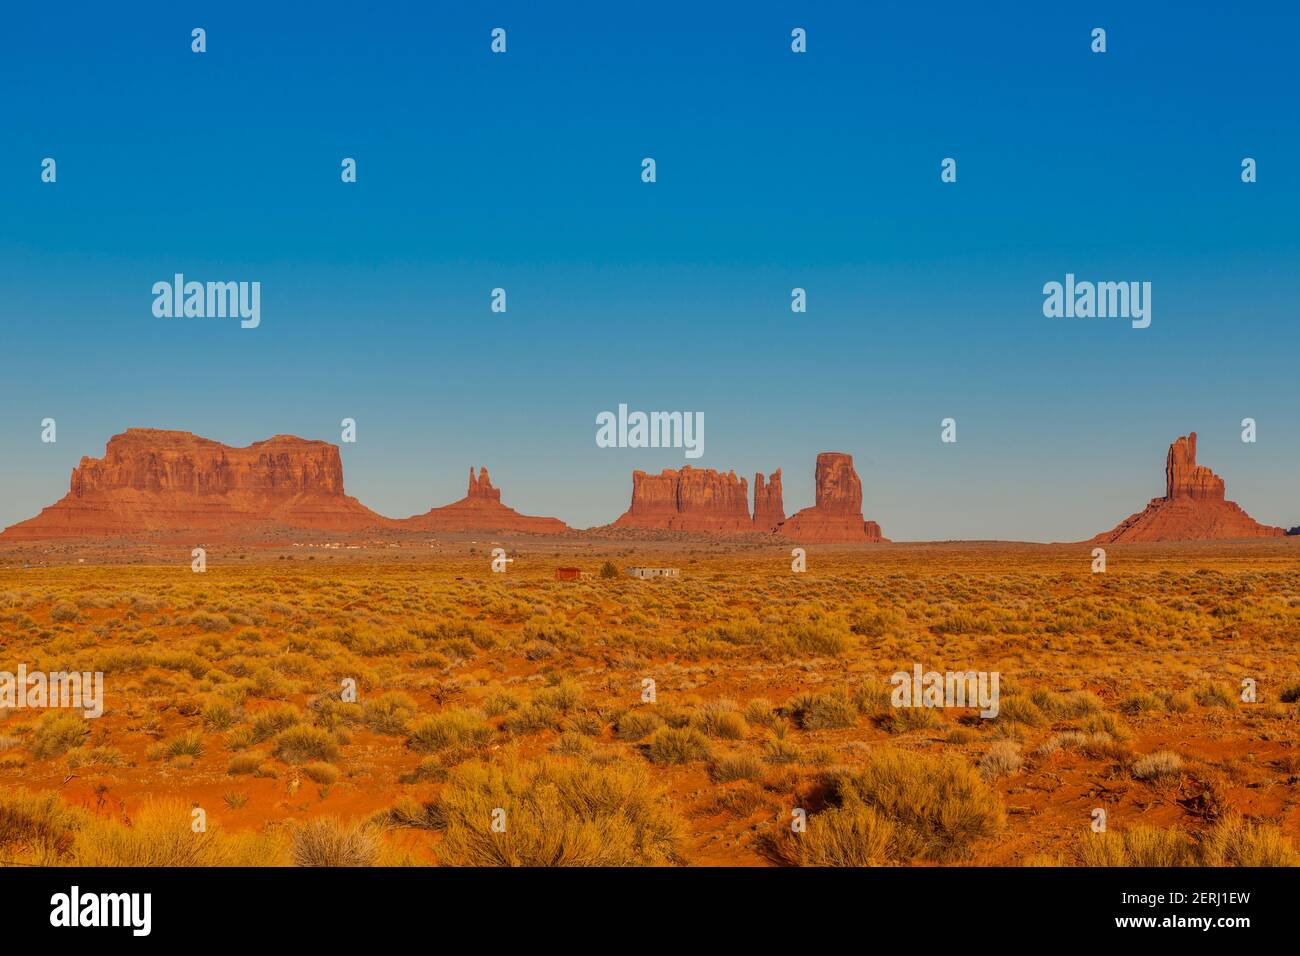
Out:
{"x": 775, "y": 170}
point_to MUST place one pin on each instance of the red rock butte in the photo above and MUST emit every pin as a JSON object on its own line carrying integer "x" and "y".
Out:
{"x": 480, "y": 510}
{"x": 769, "y": 508}
{"x": 705, "y": 500}
{"x": 1193, "y": 508}
{"x": 837, "y": 515}
{"x": 154, "y": 481}
{"x": 690, "y": 499}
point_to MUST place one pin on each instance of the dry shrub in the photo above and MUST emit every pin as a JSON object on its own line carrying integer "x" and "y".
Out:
{"x": 1231, "y": 842}
{"x": 1001, "y": 759}
{"x": 56, "y": 734}
{"x": 388, "y": 713}
{"x": 303, "y": 743}
{"x": 729, "y": 767}
{"x": 320, "y": 772}
{"x": 1235, "y": 842}
{"x": 938, "y": 807}
{"x": 563, "y": 696}
{"x": 34, "y": 823}
{"x": 267, "y": 723}
{"x": 557, "y": 813}
{"x": 1138, "y": 846}
{"x": 95, "y": 756}
{"x": 1139, "y": 703}
{"x": 244, "y": 763}
{"x": 161, "y": 834}
{"x": 451, "y": 728}
{"x": 853, "y": 835}
{"x": 671, "y": 745}
{"x": 829, "y": 637}
{"x": 326, "y": 841}
{"x": 1160, "y": 767}
{"x": 759, "y": 711}
{"x": 1216, "y": 695}
{"x": 1016, "y": 709}
{"x": 828, "y": 711}
{"x": 905, "y": 720}
{"x": 1107, "y": 724}
{"x": 873, "y": 699}
{"x": 720, "y": 719}
{"x": 1098, "y": 745}
{"x": 636, "y": 724}
{"x": 533, "y": 717}
{"x": 188, "y": 744}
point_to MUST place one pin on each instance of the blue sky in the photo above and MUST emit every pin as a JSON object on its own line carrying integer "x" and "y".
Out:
{"x": 775, "y": 170}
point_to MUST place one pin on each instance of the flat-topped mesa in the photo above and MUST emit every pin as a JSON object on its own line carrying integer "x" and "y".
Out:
{"x": 1193, "y": 509}
{"x": 769, "y": 508}
{"x": 481, "y": 487}
{"x": 154, "y": 481}
{"x": 154, "y": 460}
{"x": 837, "y": 515}
{"x": 689, "y": 499}
{"x": 481, "y": 510}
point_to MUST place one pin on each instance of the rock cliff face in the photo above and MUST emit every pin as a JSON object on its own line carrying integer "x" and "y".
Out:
{"x": 1193, "y": 508}
{"x": 480, "y": 510}
{"x": 690, "y": 499}
{"x": 837, "y": 515}
{"x": 152, "y": 481}
{"x": 769, "y": 508}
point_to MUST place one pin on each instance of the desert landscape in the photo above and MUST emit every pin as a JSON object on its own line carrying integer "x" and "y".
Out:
{"x": 337, "y": 687}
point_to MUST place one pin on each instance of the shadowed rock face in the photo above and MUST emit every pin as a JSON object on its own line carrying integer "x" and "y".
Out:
{"x": 1193, "y": 509}
{"x": 769, "y": 509}
{"x": 689, "y": 499}
{"x": 155, "y": 481}
{"x": 480, "y": 510}
{"x": 837, "y": 515}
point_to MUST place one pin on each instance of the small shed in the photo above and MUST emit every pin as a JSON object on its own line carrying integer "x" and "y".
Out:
{"x": 568, "y": 574}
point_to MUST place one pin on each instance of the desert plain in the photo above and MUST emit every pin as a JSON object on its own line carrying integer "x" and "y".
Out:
{"x": 400, "y": 703}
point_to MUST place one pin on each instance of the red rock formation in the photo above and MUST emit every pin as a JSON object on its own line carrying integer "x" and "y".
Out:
{"x": 152, "y": 481}
{"x": 480, "y": 510}
{"x": 481, "y": 487}
{"x": 837, "y": 515}
{"x": 769, "y": 508}
{"x": 1184, "y": 478}
{"x": 691, "y": 499}
{"x": 1193, "y": 508}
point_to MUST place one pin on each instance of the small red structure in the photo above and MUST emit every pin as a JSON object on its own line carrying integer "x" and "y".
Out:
{"x": 567, "y": 574}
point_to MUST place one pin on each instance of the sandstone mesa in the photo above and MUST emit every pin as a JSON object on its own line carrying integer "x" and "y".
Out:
{"x": 173, "y": 483}
{"x": 688, "y": 499}
{"x": 837, "y": 515}
{"x": 152, "y": 480}
{"x": 705, "y": 500}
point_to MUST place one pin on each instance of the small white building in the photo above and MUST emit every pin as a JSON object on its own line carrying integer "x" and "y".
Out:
{"x": 654, "y": 572}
